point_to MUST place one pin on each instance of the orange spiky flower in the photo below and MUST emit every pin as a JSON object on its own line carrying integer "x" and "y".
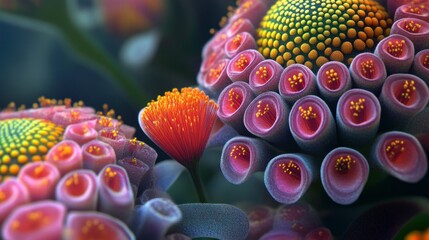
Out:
{"x": 180, "y": 123}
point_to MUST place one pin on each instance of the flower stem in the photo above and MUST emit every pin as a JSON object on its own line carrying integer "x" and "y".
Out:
{"x": 193, "y": 170}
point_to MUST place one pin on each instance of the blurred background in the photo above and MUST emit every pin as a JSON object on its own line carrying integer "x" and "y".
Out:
{"x": 120, "y": 52}
{"x": 125, "y": 53}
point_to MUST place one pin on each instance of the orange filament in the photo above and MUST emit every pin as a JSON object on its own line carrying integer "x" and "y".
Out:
{"x": 333, "y": 79}
{"x": 406, "y": 92}
{"x": 234, "y": 99}
{"x": 264, "y": 111}
{"x": 343, "y": 164}
{"x": 94, "y": 150}
{"x": 394, "y": 149}
{"x": 36, "y": 219}
{"x": 263, "y": 74}
{"x": 112, "y": 179}
{"x": 214, "y": 73}
{"x": 242, "y": 62}
{"x": 76, "y": 185}
{"x": 310, "y": 117}
{"x": 411, "y": 26}
{"x": 395, "y": 49}
{"x": 74, "y": 115}
{"x": 105, "y": 121}
{"x": 292, "y": 169}
{"x": 63, "y": 152}
{"x": 180, "y": 122}
{"x": 236, "y": 42}
{"x": 73, "y": 180}
{"x": 426, "y": 61}
{"x": 39, "y": 170}
{"x": 413, "y": 9}
{"x": 357, "y": 109}
{"x": 367, "y": 68}
{"x": 297, "y": 81}
{"x": 238, "y": 151}
{"x": 84, "y": 129}
{"x": 92, "y": 226}
{"x": 112, "y": 134}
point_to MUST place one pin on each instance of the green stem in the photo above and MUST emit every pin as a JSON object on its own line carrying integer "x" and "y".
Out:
{"x": 193, "y": 170}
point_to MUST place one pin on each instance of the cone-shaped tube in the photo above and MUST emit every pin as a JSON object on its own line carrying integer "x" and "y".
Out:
{"x": 41, "y": 220}
{"x": 265, "y": 76}
{"x": 368, "y": 72}
{"x": 297, "y": 81}
{"x": 240, "y": 66}
{"x": 344, "y": 173}
{"x": 417, "y": 30}
{"x": 397, "y": 53}
{"x": 267, "y": 117}
{"x": 358, "y": 117}
{"x": 78, "y": 190}
{"x": 238, "y": 43}
{"x": 115, "y": 192}
{"x": 401, "y": 155}
{"x": 155, "y": 217}
{"x": 412, "y": 10}
{"x": 288, "y": 176}
{"x": 312, "y": 125}
{"x": 402, "y": 97}
{"x": 95, "y": 225}
{"x": 243, "y": 156}
{"x": 12, "y": 195}
{"x": 233, "y": 101}
{"x": 333, "y": 79}
{"x": 421, "y": 65}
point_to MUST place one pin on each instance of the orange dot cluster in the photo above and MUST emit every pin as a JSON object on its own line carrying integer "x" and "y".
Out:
{"x": 25, "y": 140}
{"x": 315, "y": 32}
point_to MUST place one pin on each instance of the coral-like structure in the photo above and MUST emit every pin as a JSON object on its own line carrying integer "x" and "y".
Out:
{"x": 315, "y": 32}
{"x": 84, "y": 160}
{"x": 344, "y": 80}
